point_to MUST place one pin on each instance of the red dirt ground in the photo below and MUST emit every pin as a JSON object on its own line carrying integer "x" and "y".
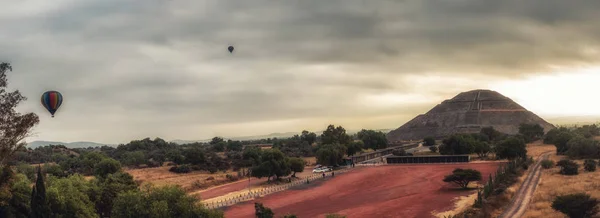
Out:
{"x": 386, "y": 191}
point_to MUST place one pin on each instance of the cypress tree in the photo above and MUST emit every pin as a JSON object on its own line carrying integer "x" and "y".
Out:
{"x": 39, "y": 205}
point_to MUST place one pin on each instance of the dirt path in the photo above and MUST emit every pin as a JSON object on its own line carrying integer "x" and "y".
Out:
{"x": 408, "y": 191}
{"x": 521, "y": 199}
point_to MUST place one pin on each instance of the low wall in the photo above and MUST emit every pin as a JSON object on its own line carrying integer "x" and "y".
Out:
{"x": 428, "y": 159}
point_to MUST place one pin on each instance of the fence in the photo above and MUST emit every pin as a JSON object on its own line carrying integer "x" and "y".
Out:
{"x": 428, "y": 159}
{"x": 212, "y": 204}
{"x": 380, "y": 153}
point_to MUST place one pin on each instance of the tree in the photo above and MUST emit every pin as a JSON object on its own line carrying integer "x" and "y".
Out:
{"x": 457, "y": 144}
{"x": 329, "y": 155}
{"x": 308, "y": 137}
{"x": 106, "y": 167}
{"x": 334, "y": 215}
{"x": 491, "y": 133}
{"x": 262, "y": 212}
{"x": 482, "y": 149}
{"x": 568, "y": 167}
{"x": 108, "y": 188}
{"x": 581, "y": 147}
{"x": 39, "y": 204}
{"x": 578, "y": 205}
{"x": 511, "y": 148}
{"x": 433, "y": 149}
{"x": 590, "y": 165}
{"x": 373, "y": 139}
{"x": 272, "y": 163}
{"x": 14, "y": 126}
{"x": 463, "y": 177}
{"x": 335, "y": 135}
{"x": 429, "y": 141}
{"x": 297, "y": 165}
{"x": 561, "y": 142}
{"x": 216, "y": 140}
{"x": 234, "y": 145}
{"x": 68, "y": 197}
{"x": 290, "y": 216}
{"x": 20, "y": 197}
{"x": 531, "y": 132}
{"x": 354, "y": 147}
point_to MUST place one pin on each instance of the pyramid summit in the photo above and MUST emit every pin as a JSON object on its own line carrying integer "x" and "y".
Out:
{"x": 468, "y": 112}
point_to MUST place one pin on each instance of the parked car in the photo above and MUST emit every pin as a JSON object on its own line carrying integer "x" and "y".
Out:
{"x": 318, "y": 170}
{"x": 326, "y": 169}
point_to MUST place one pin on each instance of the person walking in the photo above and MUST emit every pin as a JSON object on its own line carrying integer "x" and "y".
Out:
{"x": 323, "y": 174}
{"x": 332, "y": 174}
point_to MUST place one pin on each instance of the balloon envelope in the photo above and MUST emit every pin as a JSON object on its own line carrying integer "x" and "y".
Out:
{"x": 52, "y": 100}
{"x": 230, "y": 48}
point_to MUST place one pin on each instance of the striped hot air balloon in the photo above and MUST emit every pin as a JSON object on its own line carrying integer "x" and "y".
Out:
{"x": 52, "y": 101}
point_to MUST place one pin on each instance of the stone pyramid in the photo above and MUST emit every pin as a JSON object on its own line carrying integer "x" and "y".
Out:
{"x": 468, "y": 112}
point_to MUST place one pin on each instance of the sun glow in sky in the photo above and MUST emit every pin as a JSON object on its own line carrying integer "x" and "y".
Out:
{"x": 573, "y": 93}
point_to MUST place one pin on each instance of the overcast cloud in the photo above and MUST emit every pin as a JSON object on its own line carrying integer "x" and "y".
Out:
{"x": 159, "y": 68}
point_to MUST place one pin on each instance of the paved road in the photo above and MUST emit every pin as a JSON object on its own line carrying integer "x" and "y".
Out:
{"x": 520, "y": 201}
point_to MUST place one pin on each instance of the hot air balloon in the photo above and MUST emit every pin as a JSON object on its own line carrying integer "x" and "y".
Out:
{"x": 230, "y": 48}
{"x": 52, "y": 101}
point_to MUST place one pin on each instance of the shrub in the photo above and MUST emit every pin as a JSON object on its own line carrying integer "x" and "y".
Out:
{"x": 181, "y": 169}
{"x": 429, "y": 141}
{"x": 399, "y": 152}
{"x": 590, "y": 165}
{"x": 463, "y": 177}
{"x": 260, "y": 211}
{"x": 568, "y": 167}
{"x": 578, "y": 205}
{"x": 433, "y": 149}
{"x": 547, "y": 164}
{"x": 232, "y": 178}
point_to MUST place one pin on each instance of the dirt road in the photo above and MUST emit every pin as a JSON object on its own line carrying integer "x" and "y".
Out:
{"x": 520, "y": 201}
{"x": 408, "y": 191}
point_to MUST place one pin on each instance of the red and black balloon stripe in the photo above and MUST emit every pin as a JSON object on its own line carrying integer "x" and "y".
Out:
{"x": 52, "y": 101}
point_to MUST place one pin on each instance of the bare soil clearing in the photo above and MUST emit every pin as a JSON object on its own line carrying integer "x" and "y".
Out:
{"x": 385, "y": 191}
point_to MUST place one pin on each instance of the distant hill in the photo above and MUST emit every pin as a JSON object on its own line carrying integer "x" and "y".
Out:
{"x": 36, "y": 144}
{"x": 578, "y": 120}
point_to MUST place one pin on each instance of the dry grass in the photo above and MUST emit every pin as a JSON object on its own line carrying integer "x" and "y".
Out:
{"x": 553, "y": 184}
{"x": 161, "y": 176}
{"x": 536, "y": 148}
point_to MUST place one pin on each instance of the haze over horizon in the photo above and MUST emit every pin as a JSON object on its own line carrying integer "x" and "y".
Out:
{"x": 130, "y": 70}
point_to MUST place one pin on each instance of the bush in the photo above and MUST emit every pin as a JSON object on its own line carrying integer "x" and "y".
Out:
{"x": 433, "y": 149}
{"x": 547, "y": 164}
{"x": 568, "y": 167}
{"x": 399, "y": 152}
{"x": 429, "y": 141}
{"x": 232, "y": 178}
{"x": 463, "y": 177}
{"x": 590, "y": 165}
{"x": 578, "y": 205}
{"x": 181, "y": 169}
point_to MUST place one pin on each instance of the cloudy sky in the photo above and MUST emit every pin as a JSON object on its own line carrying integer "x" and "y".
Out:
{"x": 130, "y": 69}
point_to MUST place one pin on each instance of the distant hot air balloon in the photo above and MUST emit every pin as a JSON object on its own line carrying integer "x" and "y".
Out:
{"x": 230, "y": 48}
{"x": 52, "y": 101}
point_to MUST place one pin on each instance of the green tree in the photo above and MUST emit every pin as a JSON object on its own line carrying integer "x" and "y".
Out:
{"x": 531, "y": 132}
{"x": 329, "y": 155}
{"x": 68, "y": 197}
{"x": 297, "y": 165}
{"x": 14, "y": 126}
{"x": 482, "y": 149}
{"x": 308, "y": 137}
{"x": 260, "y": 211}
{"x": 335, "y": 135}
{"x": 578, "y": 205}
{"x": 39, "y": 203}
{"x": 568, "y": 167}
{"x": 429, "y": 141}
{"x": 216, "y": 140}
{"x": 354, "y": 147}
{"x": 561, "y": 142}
{"x": 26, "y": 170}
{"x": 106, "y": 167}
{"x": 272, "y": 163}
{"x": 433, "y": 149}
{"x": 491, "y": 133}
{"x": 234, "y": 145}
{"x": 581, "y": 147}
{"x": 511, "y": 148}
{"x": 19, "y": 204}
{"x": 373, "y": 139}
{"x": 134, "y": 159}
{"x": 547, "y": 164}
{"x": 463, "y": 177}
{"x": 457, "y": 144}
{"x": 108, "y": 188}
{"x": 290, "y": 216}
